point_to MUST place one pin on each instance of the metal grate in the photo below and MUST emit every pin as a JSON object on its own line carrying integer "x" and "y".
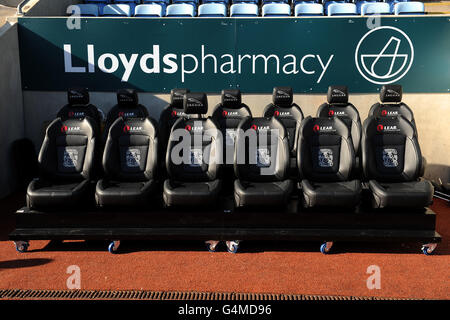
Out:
{"x": 164, "y": 295}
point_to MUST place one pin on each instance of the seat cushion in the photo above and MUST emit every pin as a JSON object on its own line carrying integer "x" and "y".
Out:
{"x": 41, "y": 193}
{"x": 108, "y": 193}
{"x": 191, "y": 193}
{"x": 414, "y": 194}
{"x": 331, "y": 194}
{"x": 262, "y": 193}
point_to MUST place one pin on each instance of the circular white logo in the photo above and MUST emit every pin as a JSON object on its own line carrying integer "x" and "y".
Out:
{"x": 384, "y": 55}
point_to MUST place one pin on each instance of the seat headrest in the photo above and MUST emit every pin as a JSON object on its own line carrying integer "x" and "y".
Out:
{"x": 391, "y": 93}
{"x": 176, "y": 97}
{"x": 127, "y": 97}
{"x": 282, "y": 96}
{"x": 195, "y": 103}
{"x": 337, "y": 94}
{"x": 78, "y": 96}
{"x": 231, "y": 98}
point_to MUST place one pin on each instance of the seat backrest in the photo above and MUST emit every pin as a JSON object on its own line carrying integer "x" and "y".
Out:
{"x": 308, "y": 9}
{"x": 170, "y": 114}
{"x": 338, "y": 106}
{"x": 212, "y": 10}
{"x": 391, "y": 104}
{"x": 127, "y": 107}
{"x": 131, "y": 150}
{"x": 341, "y": 9}
{"x": 68, "y": 150}
{"x": 325, "y": 150}
{"x": 117, "y": 10}
{"x": 289, "y": 113}
{"x": 180, "y": 10}
{"x": 194, "y": 151}
{"x": 410, "y": 7}
{"x": 262, "y": 151}
{"x": 244, "y": 10}
{"x": 78, "y": 106}
{"x": 390, "y": 151}
{"x": 149, "y": 10}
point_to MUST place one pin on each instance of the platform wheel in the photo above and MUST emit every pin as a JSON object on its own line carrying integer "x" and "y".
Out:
{"x": 233, "y": 246}
{"x": 326, "y": 247}
{"x": 21, "y": 246}
{"x": 211, "y": 245}
{"x": 428, "y": 248}
{"x": 114, "y": 246}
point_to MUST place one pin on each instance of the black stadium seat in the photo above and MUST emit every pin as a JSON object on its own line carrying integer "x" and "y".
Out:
{"x": 78, "y": 107}
{"x": 338, "y": 106}
{"x": 129, "y": 163}
{"x": 289, "y": 114}
{"x": 392, "y": 162}
{"x": 193, "y": 170}
{"x": 391, "y": 104}
{"x": 170, "y": 114}
{"x": 261, "y": 163}
{"x": 66, "y": 162}
{"x": 325, "y": 159}
{"x": 127, "y": 107}
{"x": 228, "y": 114}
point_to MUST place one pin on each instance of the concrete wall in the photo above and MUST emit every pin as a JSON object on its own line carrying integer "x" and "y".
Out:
{"x": 433, "y": 128}
{"x": 11, "y": 106}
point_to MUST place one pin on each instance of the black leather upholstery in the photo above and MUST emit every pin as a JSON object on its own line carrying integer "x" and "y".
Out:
{"x": 288, "y": 113}
{"x": 193, "y": 158}
{"x": 129, "y": 163}
{"x": 261, "y": 163}
{"x": 325, "y": 160}
{"x": 338, "y": 106}
{"x": 78, "y": 107}
{"x": 228, "y": 114}
{"x": 127, "y": 107}
{"x": 170, "y": 114}
{"x": 66, "y": 163}
{"x": 392, "y": 162}
{"x": 391, "y": 105}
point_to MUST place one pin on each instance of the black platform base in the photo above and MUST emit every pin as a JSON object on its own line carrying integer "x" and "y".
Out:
{"x": 289, "y": 223}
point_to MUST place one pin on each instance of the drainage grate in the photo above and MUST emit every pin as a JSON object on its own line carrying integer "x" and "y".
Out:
{"x": 164, "y": 295}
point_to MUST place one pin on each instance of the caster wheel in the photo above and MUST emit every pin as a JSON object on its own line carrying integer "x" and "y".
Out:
{"x": 326, "y": 247}
{"x": 113, "y": 247}
{"x": 428, "y": 249}
{"x": 211, "y": 245}
{"x": 22, "y": 246}
{"x": 233, "y": 246}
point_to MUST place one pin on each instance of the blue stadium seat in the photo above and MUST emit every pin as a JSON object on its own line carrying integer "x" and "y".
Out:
{"x": 308, "y": 9}
{"x": 180, "y": 10}
{"x": 99, "y": 3}
{"x": 131, "y": 3}
{"x": 413, "y": 7}
{"x": 244, "y": 10}
{"x": 341, "y": 9}
{"x": 276, "y": 10}
{"x": 117, "y": 10}
{"x": 375, "y": 8}
{"x": 212, "y": 10}
{"x": 85, "y": 10}
{"x": 162, "y": 3}
{"x": 149, "y": 10}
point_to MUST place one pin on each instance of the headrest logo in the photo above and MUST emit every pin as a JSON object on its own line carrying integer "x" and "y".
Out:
{"x": 392, "y": 93}
{"x": 192, "y": 102}
{"x": 338, "y": 93}
{"x": 78, "y": 114}
{"x": 226, "y": 113}
{"x": 283, "y": 94}
{"x": 336, "y": 113}
{"x": 229, "y": 97}
{"x": 69, "y": 129}
{"x": 123, "y": 98}
{"x": 391, "y": 61}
